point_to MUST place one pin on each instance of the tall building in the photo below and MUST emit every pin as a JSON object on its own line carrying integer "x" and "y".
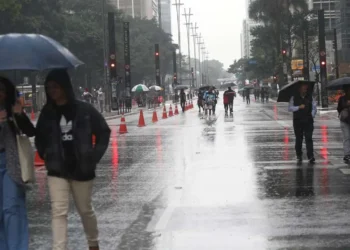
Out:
{"x": 138, "y": 8}
{"x": 343, "y": 30}
{"x": 330, "y": 11}
{"x": 166, "y": 15}
{"x": 246, "y": 36}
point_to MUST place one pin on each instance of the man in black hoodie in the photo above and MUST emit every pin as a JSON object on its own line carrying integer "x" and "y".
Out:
{"x": 64, "y": 140}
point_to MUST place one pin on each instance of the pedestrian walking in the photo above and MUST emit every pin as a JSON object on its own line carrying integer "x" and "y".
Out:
{"x": 182, "y": 100}
{"x": 64, "y": 140}
{"x": 13, "y": 211}
{"x": 101, "y": 99}
{"x": 229, "y": 96}
{"x": 304, "y": 110}
{"x": 344, "y": 117}
{"x": 247, "y": 96}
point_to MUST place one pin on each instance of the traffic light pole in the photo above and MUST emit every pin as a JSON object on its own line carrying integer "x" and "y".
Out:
{"x": 194, "y": 34}
{"x": 306, "y": 70}
{"x": 335, "y": 47}
{"x": 157, "y": 63}
{"x": 127, "y": 66}
{"x": 323, "y": 61}
{"x": 112, "y": 64}
{"x": 174, "y": 68}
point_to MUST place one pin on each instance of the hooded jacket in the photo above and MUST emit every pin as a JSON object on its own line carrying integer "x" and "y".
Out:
{"x": 87, "y": 121}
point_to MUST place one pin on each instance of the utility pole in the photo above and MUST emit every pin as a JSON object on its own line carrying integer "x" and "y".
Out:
{"x": 194, "y": 34}
{"x": 199, "y": 43}
{"x": 188, "y": 23}
{"x": 323, "y": 62}
{"x": 335, "y": 47}
{"x": 207, "y": 58}
{"x": 178, "y": 5}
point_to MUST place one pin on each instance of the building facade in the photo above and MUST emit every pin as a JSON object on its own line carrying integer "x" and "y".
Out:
{"x": 343, "y": 30}
{"x": 166, "y": 15}
{"x": 330, "y": 11}
{"x": 138, "y": 8}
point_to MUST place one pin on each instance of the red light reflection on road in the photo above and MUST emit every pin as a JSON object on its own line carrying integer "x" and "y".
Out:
{"x": 286, "y": 145}
{"x": 115, "y": 161}
{"x": 324, "y": 138}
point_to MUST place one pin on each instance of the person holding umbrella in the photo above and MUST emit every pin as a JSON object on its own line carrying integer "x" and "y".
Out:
{"x": 304, "y": 110}
{"x": 64, "y": 140}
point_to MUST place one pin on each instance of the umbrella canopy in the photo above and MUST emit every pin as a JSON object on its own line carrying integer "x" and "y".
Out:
{"x": 155, "y": 88}
{"x": 338, "y": 84}
{"x": 179, "y": 87}
{"x": 34, "y": 52}
{"x": 140, "y": 88}
{"x": 292, "y": 88}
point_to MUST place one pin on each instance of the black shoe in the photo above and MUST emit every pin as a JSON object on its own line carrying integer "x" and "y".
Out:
{"x": 312, "y": 160}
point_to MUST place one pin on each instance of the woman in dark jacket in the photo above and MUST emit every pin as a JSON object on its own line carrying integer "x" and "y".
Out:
{"x": 13, "y": 213}
{"x": 344, "y": 117}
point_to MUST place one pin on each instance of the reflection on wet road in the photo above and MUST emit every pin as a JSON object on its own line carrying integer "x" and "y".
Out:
{"x": 182, "y": 184}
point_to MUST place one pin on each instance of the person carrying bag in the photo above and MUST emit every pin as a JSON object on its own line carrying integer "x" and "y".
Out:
{"x": 15, "y": 165}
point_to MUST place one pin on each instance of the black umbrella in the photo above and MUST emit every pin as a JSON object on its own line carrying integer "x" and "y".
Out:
{"x": 249, "y": 87}
{"x": 338, "y": 84}
{"x": 179, "y": 87}
{"x": 292, "y": 88}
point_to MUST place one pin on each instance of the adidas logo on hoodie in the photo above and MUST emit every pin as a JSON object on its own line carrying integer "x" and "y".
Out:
{"x": 66, "y": 128}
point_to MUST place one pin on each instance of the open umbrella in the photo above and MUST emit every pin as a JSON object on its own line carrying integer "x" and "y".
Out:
{"x": 155, "y": 88}
{"x": 207, "y": 87}
{"x": 249, "y": 87}
{"x": 292, "y": 88}
{"x": 338, "y": 84}
{"x": 179, "y": 87}
{"x": 140, "y": 88}
{"x": 34, "y": 52}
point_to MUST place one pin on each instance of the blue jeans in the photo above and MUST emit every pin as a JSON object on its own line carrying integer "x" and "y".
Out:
{"x": 13, "y": 212}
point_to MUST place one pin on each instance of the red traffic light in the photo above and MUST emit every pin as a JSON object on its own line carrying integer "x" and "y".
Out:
{"x": 284, "y": 52}
{"x": 323, "y": 63}
{"x": 112, "y": 65}
{"x": 157, "y": 53}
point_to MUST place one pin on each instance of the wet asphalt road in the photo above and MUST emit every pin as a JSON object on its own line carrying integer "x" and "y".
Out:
{"x": 182, "y": 184}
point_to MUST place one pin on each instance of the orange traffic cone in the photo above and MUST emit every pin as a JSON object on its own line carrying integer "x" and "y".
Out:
{"x": 155, "y": 116}
{"x": 165, "y": 116}
{"x": 171, "y": 113}
{"x": 32, "y": 115}
{"x": 122, "y": 128}
{"x": 141, "y": 120}
{"x": 38, "y": 162}
{"x": 176, "y": 110}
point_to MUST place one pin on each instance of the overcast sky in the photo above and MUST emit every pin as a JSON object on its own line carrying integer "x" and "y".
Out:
{"x": 219, "y": 22}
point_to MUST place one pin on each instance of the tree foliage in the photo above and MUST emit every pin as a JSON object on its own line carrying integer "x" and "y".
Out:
{"x": 78, "y": 24}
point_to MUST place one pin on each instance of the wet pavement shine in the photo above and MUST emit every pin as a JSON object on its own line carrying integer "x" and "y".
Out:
{"x": 189, "y": 184}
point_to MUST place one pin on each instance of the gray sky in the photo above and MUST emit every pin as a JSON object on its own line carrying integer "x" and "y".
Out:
{"x": 219, "y": 22}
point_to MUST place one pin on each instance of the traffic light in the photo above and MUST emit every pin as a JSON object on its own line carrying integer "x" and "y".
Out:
{"x": 175, "y": 77}
{"x": 112, "y": 66}
{"x": 334, "y": 44}
{"x": 284, "y": 52}
{"x": 323, "y": 63}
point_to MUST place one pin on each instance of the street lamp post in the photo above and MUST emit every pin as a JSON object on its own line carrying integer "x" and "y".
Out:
{"x": 199, "y": 43}
{"x": 188, "y": 23}
{"x": 194, "y": 34}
